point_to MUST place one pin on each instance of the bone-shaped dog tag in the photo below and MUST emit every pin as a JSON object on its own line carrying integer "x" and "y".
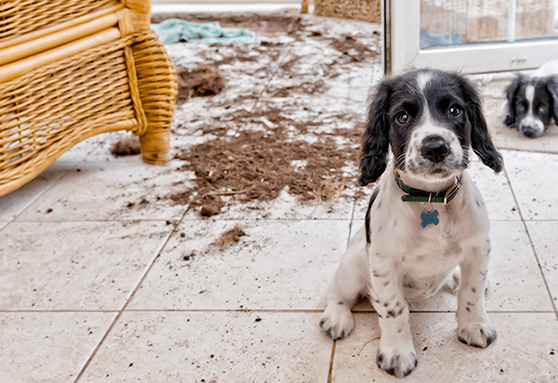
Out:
{"x": 429, "y": 217}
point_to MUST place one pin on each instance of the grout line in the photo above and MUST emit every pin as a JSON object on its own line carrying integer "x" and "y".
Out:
{"x": 531, "y": 243}
{"x": 320, "y": 310}
{"x": 57, "y": 311}
{"x": 279, "y": 62}
{"x": 132, "y": 220}
{"x": 55, "y": 181}
{"x": 330, "y": 372}
{"x": 35, "y": 198}
{"x": 264, "y": 310}
{"x": 119, "y": 314}
{"x": 260, "y": 310}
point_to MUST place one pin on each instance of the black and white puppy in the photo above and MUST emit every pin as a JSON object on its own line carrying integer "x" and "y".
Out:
{"x": 426, "y": 225}
{"x": 532, "y": 102}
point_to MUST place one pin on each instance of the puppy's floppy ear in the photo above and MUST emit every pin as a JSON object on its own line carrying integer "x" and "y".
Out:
{"x": 375, "y": 141}
{"x": 511, "y": 94}
{"x": 480, "y": 138}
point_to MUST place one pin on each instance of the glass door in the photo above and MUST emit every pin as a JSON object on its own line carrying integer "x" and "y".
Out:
{"x": 473, "y": 36}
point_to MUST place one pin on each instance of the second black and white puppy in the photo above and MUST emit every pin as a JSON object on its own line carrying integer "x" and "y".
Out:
{"x": 426, "y": 225}
{"x": 532, "y": 102}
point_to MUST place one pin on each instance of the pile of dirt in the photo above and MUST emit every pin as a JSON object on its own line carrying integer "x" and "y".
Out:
{"x": 258, "y": 165}
{"x": 229, "y": 237}
{"x": 205, "y": 80}
{"x": 126, "y": 147}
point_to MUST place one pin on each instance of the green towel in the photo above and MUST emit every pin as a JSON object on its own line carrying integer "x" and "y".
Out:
{"x": 176, "y": 30}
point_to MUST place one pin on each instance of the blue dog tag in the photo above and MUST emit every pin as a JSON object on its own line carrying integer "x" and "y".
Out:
{"x": 429, "y": 217}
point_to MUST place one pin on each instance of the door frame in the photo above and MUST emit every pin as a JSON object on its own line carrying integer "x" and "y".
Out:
{"x": 402, "y": 47}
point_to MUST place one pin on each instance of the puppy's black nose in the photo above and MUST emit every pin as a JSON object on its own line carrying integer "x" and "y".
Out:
{"x": 435, "y": 148}
{"x": 529, "y": 132}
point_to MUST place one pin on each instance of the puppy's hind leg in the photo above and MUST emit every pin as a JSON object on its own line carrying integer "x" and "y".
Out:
{"x": 349, "y": 281}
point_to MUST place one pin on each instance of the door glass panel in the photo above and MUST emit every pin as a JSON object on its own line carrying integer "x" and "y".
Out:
{"x": 447, "y": 23}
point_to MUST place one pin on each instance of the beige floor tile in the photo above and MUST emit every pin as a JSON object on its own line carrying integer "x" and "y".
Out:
{"x": 495, "y": 190}
{"x": 276, "y": 265}
{"x": 75, "y": 266}
{"x": 213, "y": 347}
{"x": 531, "y": 177}
{"x": 48, "y": 347}
{"x": 514, "y": 275}
{"x": 117, "y": 189}
{"x": 526, "y": 351}
{"x": 14, "y": 203}
{"x": 545, "y": 240}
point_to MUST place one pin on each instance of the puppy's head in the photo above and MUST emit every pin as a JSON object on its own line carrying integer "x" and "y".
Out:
{"x": 430, "y": 118}
{"x": 532, "y": 102}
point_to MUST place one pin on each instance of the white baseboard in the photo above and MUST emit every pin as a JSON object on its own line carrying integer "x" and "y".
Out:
{"x": 224, "y": 7}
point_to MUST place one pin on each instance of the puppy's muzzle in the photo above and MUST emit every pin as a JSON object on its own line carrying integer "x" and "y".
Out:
{"x": 529, "y": 131}
{"x": 434, "y": 148}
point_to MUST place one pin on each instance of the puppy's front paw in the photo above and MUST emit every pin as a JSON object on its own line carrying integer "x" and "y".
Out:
{"x": 397, "y": 361}
{"x": 477, "y": 334}
{"x": 337, "y": 321}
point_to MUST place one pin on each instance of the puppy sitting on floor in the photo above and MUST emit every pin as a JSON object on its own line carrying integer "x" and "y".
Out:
{"x": 532, "y": 101}
{"x": 426, "y": 222}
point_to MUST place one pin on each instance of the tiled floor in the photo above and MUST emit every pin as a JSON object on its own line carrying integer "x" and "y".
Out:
{"x": 96, "y": 286}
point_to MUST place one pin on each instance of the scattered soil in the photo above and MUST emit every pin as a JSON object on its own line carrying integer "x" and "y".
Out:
{"x": 348, "y": 45}
{"x": 258, "y": 165}
{"x": 246, "y": 165}
{"x": 129, "y": 146}
{"x": 229, "y": 237}
{"x": 206, "y": 80}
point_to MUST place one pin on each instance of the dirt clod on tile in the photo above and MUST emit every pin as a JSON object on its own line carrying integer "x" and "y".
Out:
{"x": 350, "y": 46}
{"x": 129, "y": 146}
{"x": 205, "y": 80}
{"x": 229, "y": 237}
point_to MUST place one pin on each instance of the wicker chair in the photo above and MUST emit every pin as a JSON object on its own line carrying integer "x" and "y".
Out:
{"x": 71, "y": 69}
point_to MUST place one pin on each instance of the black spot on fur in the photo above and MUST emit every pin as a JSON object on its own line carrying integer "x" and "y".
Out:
{"x": 393, "y": 313}
{"x": 340, "y": 303}
{"x": 468, "y": 309}
{"x": 380, "y": 358}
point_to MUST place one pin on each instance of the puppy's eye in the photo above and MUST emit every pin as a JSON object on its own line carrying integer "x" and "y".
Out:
{"x": 520, "y": 107}
{"x": 542, "y": 109}
{"x": 402, "y": 118}
{"x": 454, "y": 111}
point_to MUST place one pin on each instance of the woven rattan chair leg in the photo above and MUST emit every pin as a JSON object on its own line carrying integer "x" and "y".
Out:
{"x": 157, "y": 85}
{"x": 155, "y": 146}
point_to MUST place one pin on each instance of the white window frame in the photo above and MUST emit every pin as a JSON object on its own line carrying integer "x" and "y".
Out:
{"x": 403, "y": 53}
